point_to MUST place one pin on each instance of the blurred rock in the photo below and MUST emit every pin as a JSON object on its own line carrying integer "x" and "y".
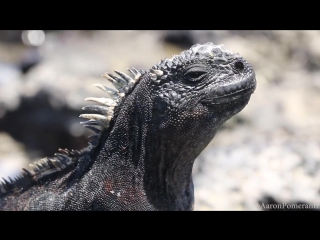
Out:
{"x": 29, "y": 60}
{"x": 183, "y": 38}
{"x": 12, "y": 157}
{"x": 43, "y": 127}
{"x": 10, "y": 36}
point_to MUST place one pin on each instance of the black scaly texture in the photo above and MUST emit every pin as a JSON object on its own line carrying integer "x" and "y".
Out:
{"x": 147, "y": 138}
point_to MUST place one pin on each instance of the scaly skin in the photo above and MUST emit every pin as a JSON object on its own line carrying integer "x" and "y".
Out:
{"x": 143, "y": 158}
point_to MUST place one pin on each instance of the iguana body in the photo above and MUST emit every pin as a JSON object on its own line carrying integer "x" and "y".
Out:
{"x": 148, "y": 136}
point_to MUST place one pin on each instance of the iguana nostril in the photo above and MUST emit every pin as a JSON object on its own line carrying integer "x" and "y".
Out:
{"x": 239, "y": 65}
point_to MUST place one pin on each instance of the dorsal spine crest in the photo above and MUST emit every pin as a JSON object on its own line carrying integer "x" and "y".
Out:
{"x": 97, "y": 122}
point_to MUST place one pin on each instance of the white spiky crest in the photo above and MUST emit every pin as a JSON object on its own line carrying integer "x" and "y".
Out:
{"x": 123, "y": 83}
{"x": 97, "y": 122}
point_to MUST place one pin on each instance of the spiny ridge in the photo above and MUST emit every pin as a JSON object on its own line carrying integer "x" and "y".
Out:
{"x": 97, "y": 122}
{"x": 103, "y": 113}
{"x": 38, "y": 169}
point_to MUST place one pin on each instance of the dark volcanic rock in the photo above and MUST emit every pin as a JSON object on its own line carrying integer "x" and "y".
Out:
{"x": 42, "y": 128}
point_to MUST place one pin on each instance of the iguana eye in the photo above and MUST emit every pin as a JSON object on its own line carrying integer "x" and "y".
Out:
{"x": 195, "y": 73}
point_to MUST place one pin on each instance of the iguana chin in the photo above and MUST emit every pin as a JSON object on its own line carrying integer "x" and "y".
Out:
{"x": 148, "y": 134}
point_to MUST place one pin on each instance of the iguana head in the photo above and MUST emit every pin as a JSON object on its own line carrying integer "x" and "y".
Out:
{"x": 205, "y": 80}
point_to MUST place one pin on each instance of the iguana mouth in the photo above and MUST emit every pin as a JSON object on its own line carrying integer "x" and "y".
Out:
{"x": 231, "y": 92}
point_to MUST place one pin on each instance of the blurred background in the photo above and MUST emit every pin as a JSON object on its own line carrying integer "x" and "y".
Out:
{"x": 268, "y": 153}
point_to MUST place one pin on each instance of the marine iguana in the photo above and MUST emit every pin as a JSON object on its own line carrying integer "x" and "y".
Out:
{"x": 148, "y": 135}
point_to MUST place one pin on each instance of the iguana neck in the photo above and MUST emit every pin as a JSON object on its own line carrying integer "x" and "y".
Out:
{"x": 170, "y": 156}
{"x": 158, "y": 160}
{"x": 168, "y": 168}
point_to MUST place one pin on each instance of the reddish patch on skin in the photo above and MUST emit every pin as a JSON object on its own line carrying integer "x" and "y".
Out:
{"x": 126, "y": 195}
{"x": 108, "y": 185}
{"x": 130, "y": 194}
{"x": 134, "y": 198}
